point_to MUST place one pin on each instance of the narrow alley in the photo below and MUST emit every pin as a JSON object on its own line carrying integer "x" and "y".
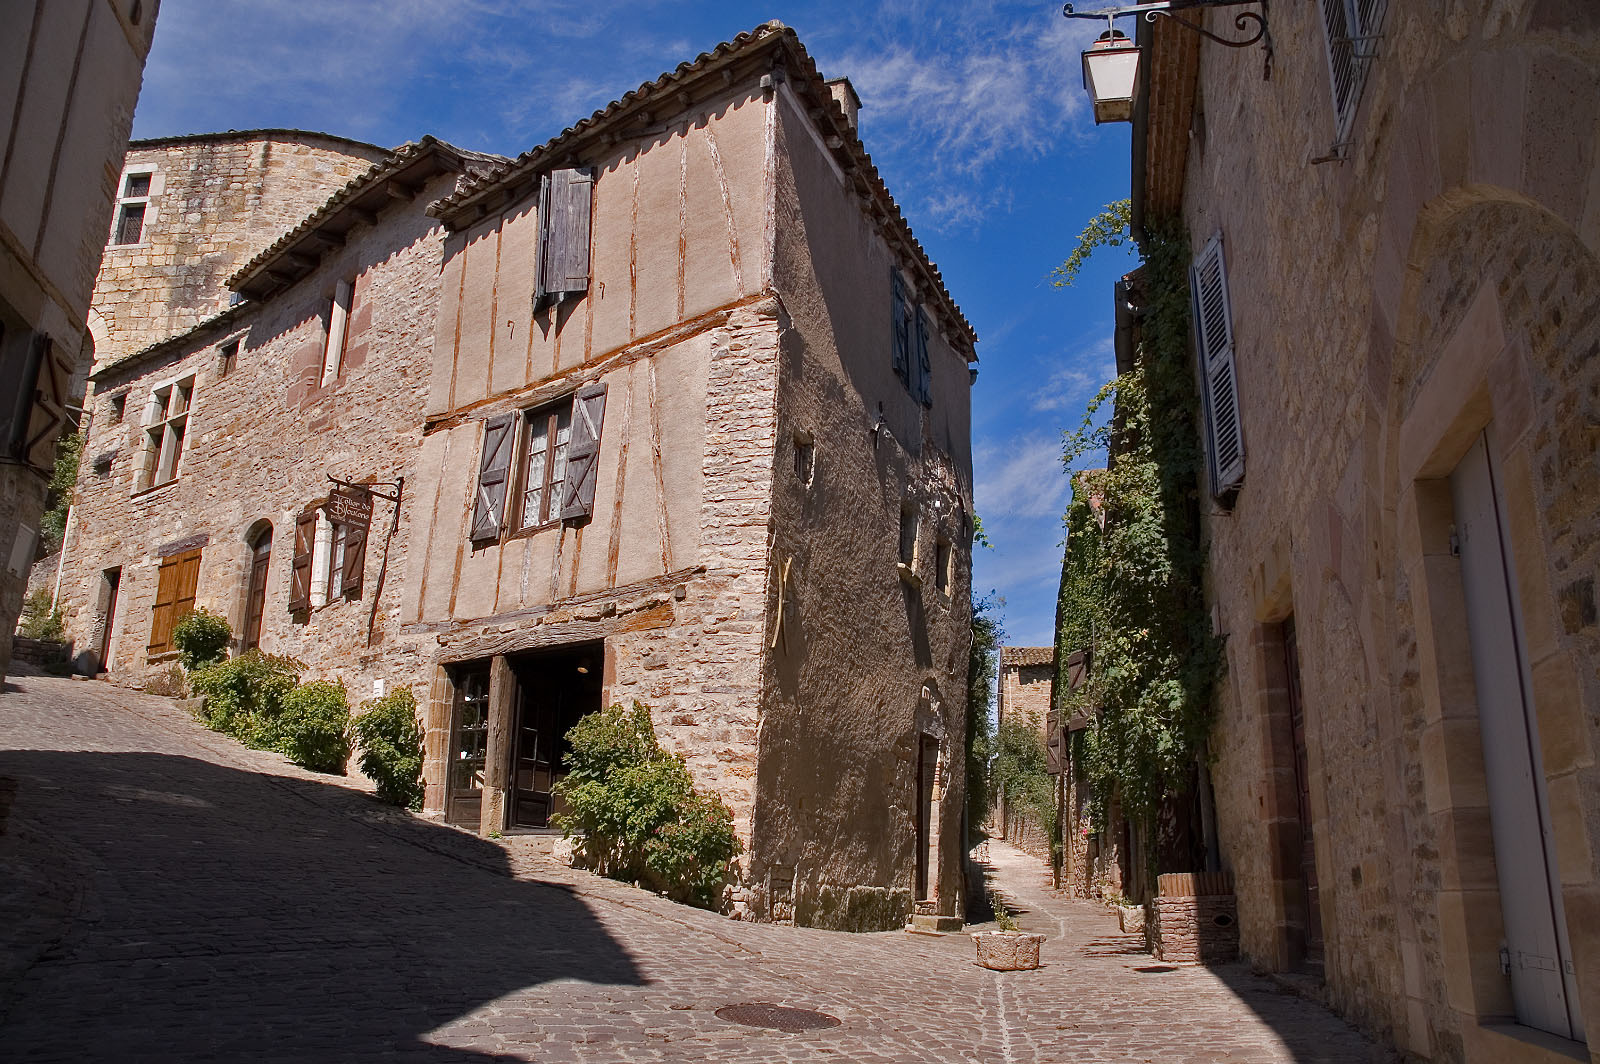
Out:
{"x": 166, "y": 894}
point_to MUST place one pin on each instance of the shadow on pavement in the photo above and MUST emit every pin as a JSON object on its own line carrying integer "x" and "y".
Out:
{"x": 204, "y": 912}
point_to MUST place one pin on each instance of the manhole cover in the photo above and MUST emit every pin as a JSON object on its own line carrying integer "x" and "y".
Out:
{"x": 777, "y": 1017}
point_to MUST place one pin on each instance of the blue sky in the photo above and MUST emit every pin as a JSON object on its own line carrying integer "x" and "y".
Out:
{"x": 974, "y": 113}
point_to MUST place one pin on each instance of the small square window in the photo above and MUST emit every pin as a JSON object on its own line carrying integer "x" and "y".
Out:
{"x": 227, "y": 358}
{"x": 119, "y": 408}
{"x": 941, "y": 565}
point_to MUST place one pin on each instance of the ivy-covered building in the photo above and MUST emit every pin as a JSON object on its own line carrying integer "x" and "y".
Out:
{"x": 1392, "y": 249}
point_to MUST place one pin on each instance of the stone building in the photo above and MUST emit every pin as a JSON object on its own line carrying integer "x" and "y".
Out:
{"x": 207, "y": 465}
{"x": 682, "y": 412}
{"x": 1026, "y": 681}
{"x": 1397, "y": 274}
{"x": 70, "y": 75}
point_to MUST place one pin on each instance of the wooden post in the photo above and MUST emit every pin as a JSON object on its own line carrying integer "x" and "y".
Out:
{"x": 497, "y": 760}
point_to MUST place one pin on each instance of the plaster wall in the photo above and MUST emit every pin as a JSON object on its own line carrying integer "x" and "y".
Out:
{"x": 261, "y": 443}
{"x": 1386, "y": 308}
{"x": 869, "y": 657}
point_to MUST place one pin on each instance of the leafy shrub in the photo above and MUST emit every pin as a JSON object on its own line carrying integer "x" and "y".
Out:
{"x": 201, "y": 638}
{"x": 313, "y": 728}
{"x": 390, "y": 740}
{"x": 40, "y": 619}
{"x": 244, "y": 693}
{"x": 636, "y": 814}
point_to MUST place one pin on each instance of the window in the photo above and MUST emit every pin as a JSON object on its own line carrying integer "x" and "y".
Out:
{"x": 805, "y": 457}
{"x": 338, "y": 326}
{"x": 227, "y": 358}
{"x": 547, "y": 434}
{"x": 910, "y": 341}
{"x": 175, "y": 585}
{"x": 555, "y": 479}
{"x": 1352, "y": 38}
{"x": 119, "y": 407}
{"x": 330, "y": 561}
{"x": 166, "y": 423}
{"x": 941, "y": 565}
{"x": 564, "y": 208}
{"x": 908, "y": 535}
{"x": 1213, "y": 326}
{"x": 132, "y": 202}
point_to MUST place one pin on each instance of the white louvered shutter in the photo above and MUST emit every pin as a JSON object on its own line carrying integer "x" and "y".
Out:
{"x": 1213, "y": 326}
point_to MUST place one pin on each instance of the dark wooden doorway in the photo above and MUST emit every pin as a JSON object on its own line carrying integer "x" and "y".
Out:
{"x": 1302, "y": 777}
{"x": 255, "y": 601}
{"x": 113, "y": 591}
{"x": 927, "y": 767}
{"x": 554, "y": 690}
{"x": 469, "y": 745}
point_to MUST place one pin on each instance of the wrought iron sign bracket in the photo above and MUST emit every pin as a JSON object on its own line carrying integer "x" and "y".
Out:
{"x": 398, "y": 483}
{"x": 1244, "y": 21}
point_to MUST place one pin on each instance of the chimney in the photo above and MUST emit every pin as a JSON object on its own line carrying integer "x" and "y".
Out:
{"x": 845, "y": 95}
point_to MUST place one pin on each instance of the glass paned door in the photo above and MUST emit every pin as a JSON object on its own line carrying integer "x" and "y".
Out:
{"x": 469, "y": 747}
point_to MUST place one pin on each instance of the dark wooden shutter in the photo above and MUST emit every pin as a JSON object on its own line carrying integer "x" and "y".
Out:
{"x": 901, "y": 339}
{"x": 565, "y": 197}
{"x": 355, "y": 559}
{"x": 1053, "y": 743}
{"x": 1213, "y": 327}
{"x": 161, "y": 612}
{"x": 494, "y": 467}
{"x": 305, "y": 540}
{"x": 924, "y": 389}
{"x": 188, "y": 581}
{"x": 583, "y": 452}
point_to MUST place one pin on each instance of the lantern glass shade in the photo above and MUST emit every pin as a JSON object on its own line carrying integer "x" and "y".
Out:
{"x": 1110, "y": 73}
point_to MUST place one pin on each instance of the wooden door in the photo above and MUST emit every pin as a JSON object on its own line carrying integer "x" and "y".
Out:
{"x": 1537, "y": 950}
{"x": 1302, "y": 778}
{"x": 255, "y": 604}
{"x": 927, "y": 766}
{"x": 469, "y": 747}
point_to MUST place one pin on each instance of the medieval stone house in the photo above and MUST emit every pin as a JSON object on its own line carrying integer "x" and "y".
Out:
{"x": 1024, "y": 695}
{"x": 1397, "y": 285}
{"x": 675, "y": 409}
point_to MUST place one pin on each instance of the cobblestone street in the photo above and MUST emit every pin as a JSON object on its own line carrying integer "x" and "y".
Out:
{"x": 166, "y": 894}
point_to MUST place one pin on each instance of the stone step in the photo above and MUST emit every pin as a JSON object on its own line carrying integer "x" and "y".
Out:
{"x": 926, "y": 922}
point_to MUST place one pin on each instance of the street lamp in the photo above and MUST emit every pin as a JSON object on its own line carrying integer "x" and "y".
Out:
{"x": 1110, "y": 73}
{"x": 1111, "y": 63}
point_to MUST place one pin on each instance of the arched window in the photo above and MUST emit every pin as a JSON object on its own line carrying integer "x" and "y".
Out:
{"x": 255, "y": 601}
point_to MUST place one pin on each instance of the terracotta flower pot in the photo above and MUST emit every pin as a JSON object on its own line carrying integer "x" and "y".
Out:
{"x": 1008, "y": 951}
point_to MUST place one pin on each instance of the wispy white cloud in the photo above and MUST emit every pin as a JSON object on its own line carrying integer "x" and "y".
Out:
{"x": 1020, "y": 477}
{"x": 1076, "y": 378}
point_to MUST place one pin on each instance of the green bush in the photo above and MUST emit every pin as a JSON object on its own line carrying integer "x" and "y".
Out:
{"x": 390, "y": 740}
{"x": 40, "y": 619}
{"x": 635, "y": 813}
{"x": 201, "y": 638}
{"x": 313, "y": 728}
{"x": 244, "y": 693}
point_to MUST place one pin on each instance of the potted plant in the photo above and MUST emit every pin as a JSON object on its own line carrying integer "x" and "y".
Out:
{"x": 1009, "y": 949}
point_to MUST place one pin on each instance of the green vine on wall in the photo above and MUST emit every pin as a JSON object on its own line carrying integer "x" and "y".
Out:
{"x": 1132, "y": 577}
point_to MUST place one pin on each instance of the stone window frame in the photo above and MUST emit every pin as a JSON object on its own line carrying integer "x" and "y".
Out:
{"x": 1448, "y": 414}
{"x": 124, "y": 201}
{"x": 908, "y": 548}
{"x": 159, "y": 426}
{"x": 340, "y": 306}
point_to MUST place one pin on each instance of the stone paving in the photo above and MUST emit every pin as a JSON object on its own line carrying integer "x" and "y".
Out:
{"x": 167, "y": 895}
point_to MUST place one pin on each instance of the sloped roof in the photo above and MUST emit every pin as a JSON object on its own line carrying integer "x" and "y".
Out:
{"x": 400, "y": 176}
{"x": 494, "y": 187}
{"x": 275, "y": 133}
{"x": 1027, "y": 655}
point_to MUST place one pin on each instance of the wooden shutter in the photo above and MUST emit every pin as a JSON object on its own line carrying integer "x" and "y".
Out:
{"x": 565, "y": 197}
{"x": 924, "y": 388}
{"x": 1213, "y": 326}
{"x": 494, "y": 467}
{"x": 161, "y": 612}
{"x": 900, "y": 327}
{"x": 305, "y": 540}
{"x": 583, "y": 452}
{"x": 355, "y": 560}
{"x": 188, "y": 581}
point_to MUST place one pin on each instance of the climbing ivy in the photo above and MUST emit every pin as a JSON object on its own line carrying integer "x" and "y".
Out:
{"x": 1109, "y": 228}
{"x": 1131, "y": 587}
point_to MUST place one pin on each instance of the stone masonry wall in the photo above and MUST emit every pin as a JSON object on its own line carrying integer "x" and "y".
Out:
{"x": 260, "y": 447}
{"x": 215, "y": 202}
{"x": 1471, "y": 170}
